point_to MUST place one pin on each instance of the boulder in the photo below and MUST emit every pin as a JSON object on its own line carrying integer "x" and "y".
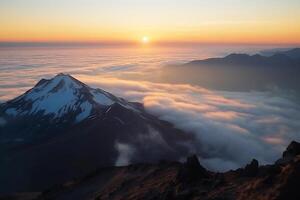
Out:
{"x": 192, "y": 170}
{"x": 290, "y": 153}
{"x": 251, "y": 169}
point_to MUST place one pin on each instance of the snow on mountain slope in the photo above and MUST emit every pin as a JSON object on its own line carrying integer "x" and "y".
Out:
{"x": 62, "y": 128}
{"x": 60, "y": 96}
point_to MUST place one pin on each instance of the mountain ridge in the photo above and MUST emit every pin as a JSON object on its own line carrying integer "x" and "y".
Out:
{"x": 291, "y": 58}
{"x": 62, "y": 128}
{"x": 240, "y": 72}
{"x": 189, "y": 180}
{"x": 291, "y": 52}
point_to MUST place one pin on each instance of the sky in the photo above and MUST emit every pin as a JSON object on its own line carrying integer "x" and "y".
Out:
{"x": 162, "y": 21}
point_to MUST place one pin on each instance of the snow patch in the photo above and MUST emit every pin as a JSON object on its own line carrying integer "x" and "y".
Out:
{"x": 101, "y": 98}
{"x": 58, "y": 103}
{"x": 86, "y": 109}
{"x": 61, "y": 95}
{"x": 46, "y": 88}
{"x": 57, "y": 96}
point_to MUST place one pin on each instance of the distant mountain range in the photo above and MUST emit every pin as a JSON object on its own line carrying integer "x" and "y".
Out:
{"x": 62, "y": 128}
{"x": 284, "y": 59}
{"x": 293, "y": 53}
{"x": 241, "y": 72}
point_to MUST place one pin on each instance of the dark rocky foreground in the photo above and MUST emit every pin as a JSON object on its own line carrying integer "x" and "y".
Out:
{"x": 174, "y": 180}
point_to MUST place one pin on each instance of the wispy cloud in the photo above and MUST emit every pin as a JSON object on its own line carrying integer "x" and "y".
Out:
{"x": 125, "y": 153}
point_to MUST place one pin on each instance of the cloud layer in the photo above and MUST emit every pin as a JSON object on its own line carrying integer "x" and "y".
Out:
{"x": 231, "y": 127}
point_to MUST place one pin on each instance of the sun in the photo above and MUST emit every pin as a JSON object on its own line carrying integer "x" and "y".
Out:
{"x": 145, "y": 40}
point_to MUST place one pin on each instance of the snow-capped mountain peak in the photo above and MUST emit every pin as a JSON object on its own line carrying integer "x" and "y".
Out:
{"x": 59, "y": 82}
{"x": 60, "y": 96}
{"x": 62, "y": 128}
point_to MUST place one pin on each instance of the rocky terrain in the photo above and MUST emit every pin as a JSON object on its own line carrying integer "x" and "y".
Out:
{"x": 189, "y": 180}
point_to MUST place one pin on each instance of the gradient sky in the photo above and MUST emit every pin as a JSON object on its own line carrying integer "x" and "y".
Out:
{"x": 205, "y": 21}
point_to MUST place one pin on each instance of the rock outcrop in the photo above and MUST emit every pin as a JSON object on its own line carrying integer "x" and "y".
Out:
{"x": 251, "y": 169}
{"x": 290, "y": 153}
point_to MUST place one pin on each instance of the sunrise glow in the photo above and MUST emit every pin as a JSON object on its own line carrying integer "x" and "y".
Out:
{"x": 145, "y": 40}
{"x": 225, "y": 21}
{"x": 149, "y": 99}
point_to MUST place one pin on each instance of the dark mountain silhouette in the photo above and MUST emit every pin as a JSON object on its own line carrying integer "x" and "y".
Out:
{"x": 189, "y": 180}
{"x": 241, "y": 72}
{"x": 251, "y": 61}
{"x": 62, "y": 129}
{"x": 292, "y": 53}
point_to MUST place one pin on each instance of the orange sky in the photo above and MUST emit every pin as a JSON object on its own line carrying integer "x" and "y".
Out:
{"x": 223, "y": 21}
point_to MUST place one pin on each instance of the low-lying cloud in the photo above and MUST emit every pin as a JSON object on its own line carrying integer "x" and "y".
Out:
{"x": 231, "y": 128}
{"x": 125, "y": 153}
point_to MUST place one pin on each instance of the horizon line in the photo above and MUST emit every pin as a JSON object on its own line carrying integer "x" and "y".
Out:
{"x": 127, "y": 43}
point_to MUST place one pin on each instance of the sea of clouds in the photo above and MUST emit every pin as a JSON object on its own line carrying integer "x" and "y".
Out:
{"x": 230, "y": 128}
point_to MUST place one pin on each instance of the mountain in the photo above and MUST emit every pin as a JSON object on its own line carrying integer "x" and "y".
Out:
{"x": 240, "y": 72}
{"x": 251, "y": 61}
{"x": 189, "y": 180}
{"x": 53, "y": 104}
{"x": 62, "y": 128}
{"x": 292, "y": 53}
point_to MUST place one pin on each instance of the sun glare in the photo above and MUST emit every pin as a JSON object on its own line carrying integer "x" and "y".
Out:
{"x": 145, "y": 39}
